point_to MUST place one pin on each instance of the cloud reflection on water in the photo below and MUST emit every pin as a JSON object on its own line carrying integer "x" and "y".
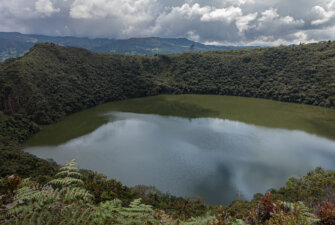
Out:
{"x": 213, "y": 158}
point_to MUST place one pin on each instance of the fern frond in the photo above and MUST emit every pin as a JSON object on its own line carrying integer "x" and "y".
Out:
{"x": 20, "y": 209}
{"x": 72, "y": 194}
{"x": 68, "y": 173}
{"x": 198, "y": 220}
{"x": 27, "y": 183}
{"x": 65, "y": 182}
{"x": 70, "y": 166}
{"x": 68, "y": 176}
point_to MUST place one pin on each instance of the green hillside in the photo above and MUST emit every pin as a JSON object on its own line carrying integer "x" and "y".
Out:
{"x": 51, "y": 81}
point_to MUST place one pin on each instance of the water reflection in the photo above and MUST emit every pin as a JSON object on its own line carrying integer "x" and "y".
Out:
{"x": 213, "y": 158}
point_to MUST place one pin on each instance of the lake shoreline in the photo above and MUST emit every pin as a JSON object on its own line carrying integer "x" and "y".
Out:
{"x": 268, "y": 113}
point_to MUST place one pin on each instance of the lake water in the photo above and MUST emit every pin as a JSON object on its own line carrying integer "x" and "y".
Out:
{"x": 213, "y": 158}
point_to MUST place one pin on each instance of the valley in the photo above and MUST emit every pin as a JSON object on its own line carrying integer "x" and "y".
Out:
{"x": 268, "y": 111}
{"x": 220, "y": 143}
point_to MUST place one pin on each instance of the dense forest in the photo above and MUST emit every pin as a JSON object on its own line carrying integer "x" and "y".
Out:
{"x": 51, "y": 81}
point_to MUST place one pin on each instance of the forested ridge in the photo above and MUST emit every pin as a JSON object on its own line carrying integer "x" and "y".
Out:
{"x": 50, "y": 82}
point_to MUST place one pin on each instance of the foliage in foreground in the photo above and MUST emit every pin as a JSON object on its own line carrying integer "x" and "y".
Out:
{"x": 105, "y": 189}
{"x": 314, "y": 188}
{"x": 64, "y": 200}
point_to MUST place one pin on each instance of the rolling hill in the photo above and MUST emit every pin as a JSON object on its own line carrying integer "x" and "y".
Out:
{"x": 16, "y": 44}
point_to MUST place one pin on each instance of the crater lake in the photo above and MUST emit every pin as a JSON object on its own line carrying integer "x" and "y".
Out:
{"x": 195, "y": 145}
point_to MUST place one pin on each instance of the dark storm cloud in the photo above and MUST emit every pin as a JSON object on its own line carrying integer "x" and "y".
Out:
{"x": 265, "y": 22}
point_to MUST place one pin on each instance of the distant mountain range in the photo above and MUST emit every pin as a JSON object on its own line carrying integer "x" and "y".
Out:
{"x": 13, "y": 44}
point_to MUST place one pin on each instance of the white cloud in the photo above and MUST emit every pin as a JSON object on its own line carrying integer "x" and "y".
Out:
{"x": 224, "y": 14}
{"x": 16, "y": 8}
{"x": 288, "y": 20}
{"x": 295, "y": 38}
{"x": 301, "y": 36}
{"x": 207, "y": 14}
{"x": 240, "y": 2}
{"x": 192, "y": 35}
{"x": 324, "y": 14}
{"x": 45, "y": 7}
{"x": 242, "y": 23}
{"x": 216, "y": 21}
{"x": 269, "y": 15}
{"x": 188, "y": 11}
{"x": 271, "y": 21}
{"x": 291, "y": 20}
{"x": 129, "y": 16}
{"x": 22, "y": 9}
{"x": 131, "y": 10}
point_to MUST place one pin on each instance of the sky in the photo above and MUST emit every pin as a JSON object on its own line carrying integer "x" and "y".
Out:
{"x": 223, "y": 22}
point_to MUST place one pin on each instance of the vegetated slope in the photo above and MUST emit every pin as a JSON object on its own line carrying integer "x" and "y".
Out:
{"x": 13, "y": 44}
{"x": 74, "y": 197}
{"x": 52, "y": 81}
